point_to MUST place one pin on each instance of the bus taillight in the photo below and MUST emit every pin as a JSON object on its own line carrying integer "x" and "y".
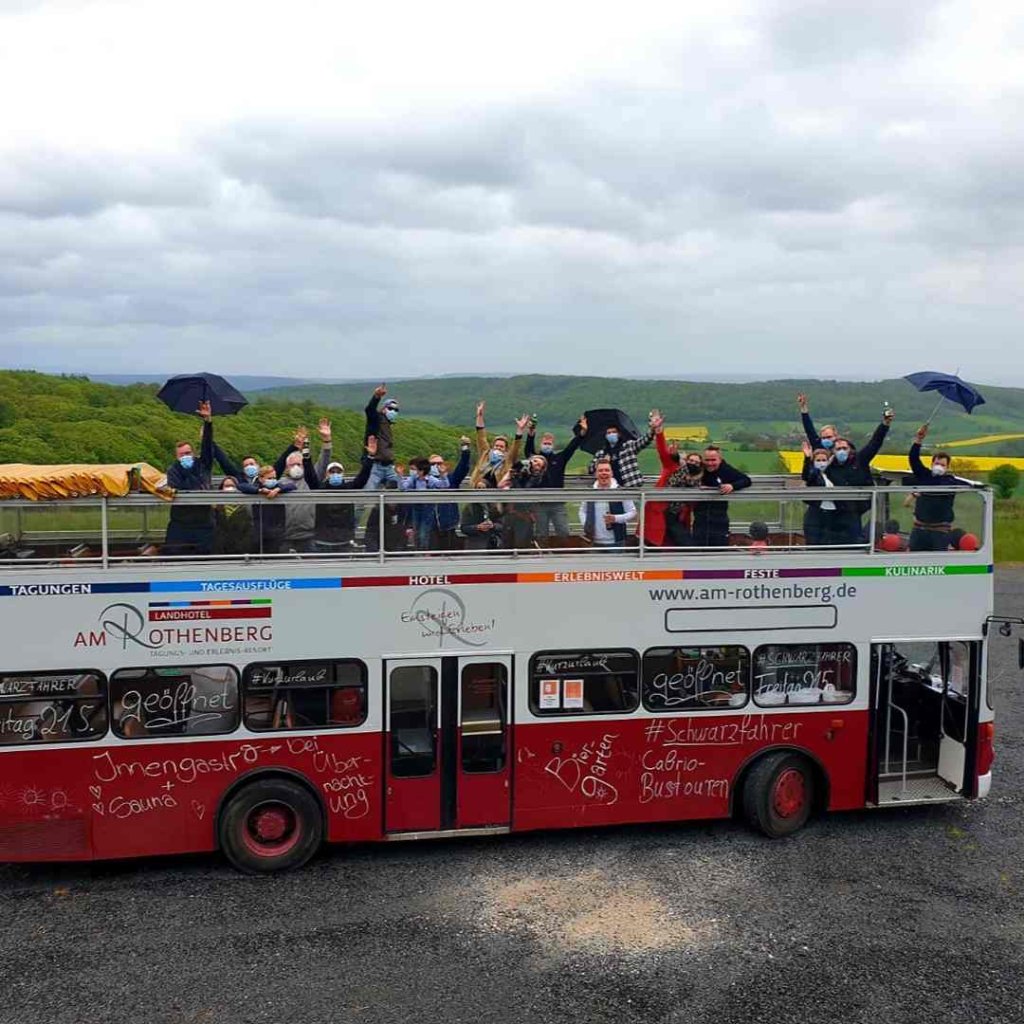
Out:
{"x": 986, "y": 747}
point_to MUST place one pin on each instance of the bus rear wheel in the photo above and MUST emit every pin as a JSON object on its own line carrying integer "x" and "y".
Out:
{"x": 778, "y": 794}
{"x": 271, "y": 825}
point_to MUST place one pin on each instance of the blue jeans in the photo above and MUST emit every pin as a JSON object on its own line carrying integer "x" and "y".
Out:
{"x": 380, "y": 474}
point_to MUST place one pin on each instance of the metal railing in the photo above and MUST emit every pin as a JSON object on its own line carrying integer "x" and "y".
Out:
{"x": 127, "y": 530}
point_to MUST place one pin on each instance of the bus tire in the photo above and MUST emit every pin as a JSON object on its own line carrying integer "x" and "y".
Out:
{"x": 778, "y": 794}
{"x": 270, "y": 825}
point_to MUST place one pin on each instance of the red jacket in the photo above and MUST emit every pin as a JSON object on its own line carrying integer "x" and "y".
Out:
{"x": 655, "y": 511}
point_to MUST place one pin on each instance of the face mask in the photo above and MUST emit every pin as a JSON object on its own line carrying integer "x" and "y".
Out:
{"x": 435, "y": 470}
{"x": 694, "y": 468}
{"x": 230, "y": 490}
{"x": 547, "y": 449}
{"x": 842, "y": 454}
{"x": 187, "y": 461}
{"x": 612, "y": 438}
{"x": 496, "y": 456}
{"x": 827, "y": 442}
{"x": 335, "y": 479}
{"x": 252, "y": 472}
{"x": 821, "y": 464}
{"x": 391, "y": 415}
{"x": 295, "y": 472}
{"x": 938, "y": 470}
{"x": 269, "y": 484}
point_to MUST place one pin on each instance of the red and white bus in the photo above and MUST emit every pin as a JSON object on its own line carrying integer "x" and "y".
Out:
{"x": 263, "y": 705}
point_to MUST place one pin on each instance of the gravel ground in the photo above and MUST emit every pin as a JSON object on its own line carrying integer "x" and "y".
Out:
{"x": 913, "y": 915}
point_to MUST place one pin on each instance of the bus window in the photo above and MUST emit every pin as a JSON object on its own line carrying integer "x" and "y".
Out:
{"x": 52, "y": 707}
{"x": 584, "y": 682}
{"x": 198, "y": 700}
{"x": 413, "y": 720}
{"x": 695, "y": 678}
{"x": 804, "y": 674}
{"x": 305, "y": 695}
{"x": 483, "y": 717}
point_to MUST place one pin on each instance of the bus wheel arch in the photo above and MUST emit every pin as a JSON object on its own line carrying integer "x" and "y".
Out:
{"x": 778, "y": 790}
{"x": 270, "y": 820}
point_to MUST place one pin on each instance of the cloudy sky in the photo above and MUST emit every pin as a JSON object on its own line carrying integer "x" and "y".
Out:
{"x": 360, "y": 190}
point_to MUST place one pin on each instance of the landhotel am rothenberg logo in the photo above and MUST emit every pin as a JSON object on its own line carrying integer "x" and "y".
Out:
{"x": 195, "y": 625}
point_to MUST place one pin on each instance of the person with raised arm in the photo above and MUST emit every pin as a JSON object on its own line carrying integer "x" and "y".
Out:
{"x": 827, "y": 438}
{"x": 623, "y": 454}
{"x": 190, "y": 527}
{"x": 823, "y": 522}
{"x": 336, "y": 522}
{"x": 380, "y": 420}
{"x": 933, "y": 513}
{"x": 852, "y": 468}
{"x": 655, "y": 526}
{"x": 300, "y": 473}
{"x": 551, "y": 517}
{"x": 495, "y": 458}
{"x": 604, "y": 522}
{"x": 445, "y": 517}
{"x": 711, "y": 518}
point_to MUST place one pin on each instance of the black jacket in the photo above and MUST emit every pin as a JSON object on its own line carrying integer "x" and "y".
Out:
{"x": 725, "y": 474}
{"x": 198, "y": 478}
{"x": 932, "y": 509}
{"x": 856, "y": 471}
{"x": 335, "y": 522}
{"x": 557, "y": 461}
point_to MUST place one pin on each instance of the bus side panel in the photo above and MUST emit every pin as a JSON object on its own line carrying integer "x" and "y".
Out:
{"x": 572, "y": 773}
{"x": 44, "y": 805}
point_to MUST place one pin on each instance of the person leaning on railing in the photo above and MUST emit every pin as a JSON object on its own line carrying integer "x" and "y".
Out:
{"x": 711, "y": 518}
{"x": 551, "y": 516}
{"x": 933, "y": 513}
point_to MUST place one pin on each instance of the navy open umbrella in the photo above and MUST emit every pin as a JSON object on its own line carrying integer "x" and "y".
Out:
{"x": 184, "y": 393}
{"x": 598, "y": 421}
{"x": 946, "y": 385}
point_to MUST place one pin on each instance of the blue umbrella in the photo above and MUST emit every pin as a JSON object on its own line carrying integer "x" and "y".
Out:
{"x": 184, "y": 393}
{"x": 948, "y": 386}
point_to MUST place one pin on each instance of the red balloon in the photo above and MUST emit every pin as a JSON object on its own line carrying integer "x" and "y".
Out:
{"x": 968, "y": 542}
{"x": 891, "y": 542}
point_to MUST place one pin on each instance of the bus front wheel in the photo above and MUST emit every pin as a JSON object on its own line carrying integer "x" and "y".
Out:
{"x": 271, "y": 825}
{"x": 778, "y": 794}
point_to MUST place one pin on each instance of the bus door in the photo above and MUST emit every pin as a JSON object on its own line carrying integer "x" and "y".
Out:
{"x": 447, "y": 741}
{"x": 959, "y": 696}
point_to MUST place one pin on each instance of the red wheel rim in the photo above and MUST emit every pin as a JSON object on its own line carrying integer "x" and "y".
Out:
{"x": 271, "y": 829}
{"x": 789, "y": 794}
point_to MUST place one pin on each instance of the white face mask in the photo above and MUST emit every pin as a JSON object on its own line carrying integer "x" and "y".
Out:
{"x": 295, "y": 472}
{"x": 938, "y": 470}
{"x": 821, "y": 463}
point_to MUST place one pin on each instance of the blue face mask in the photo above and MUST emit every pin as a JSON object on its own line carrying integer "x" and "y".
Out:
{"x": 547, "y": 449}
{"x": 335, "y": 479}
{"x": 187, "y": 461}
{"x": 435, "y": 470}
{"x": 252, "y": 472}
{"x": 495, "y": 457}
{"x": 391, "y": 415}
{"x": 842, "y": 455}
{"x": 827, "y": 442}
{"x": 612, "y": 437}
{"x": 269, "y": 484}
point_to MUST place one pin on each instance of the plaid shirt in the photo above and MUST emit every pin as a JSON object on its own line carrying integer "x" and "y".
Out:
{"x": 623, "y": 459}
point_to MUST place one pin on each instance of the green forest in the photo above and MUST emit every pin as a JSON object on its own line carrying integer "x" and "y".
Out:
{"x": 49, "y": 419}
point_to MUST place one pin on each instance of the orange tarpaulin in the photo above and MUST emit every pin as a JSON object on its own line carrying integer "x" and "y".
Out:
{"x": 20, "y": 480}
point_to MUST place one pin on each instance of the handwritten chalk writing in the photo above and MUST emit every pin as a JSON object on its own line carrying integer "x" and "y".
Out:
{"x": 352, "y": 805}
{"x": 47, "y": 686}
{"x": 654, "y": 788}
{"x": 324, "y": 761}
{"x": 749, "y": 729}
{"x": 39, "y": 799}
{"x": 346, "y": 782}
{"x": 184, "y": 770}
{"x": 51, "y": 720}
{"x": 552, "y": 665}
{"x": 586, "y": 770}
{"x": 290, "y": 675}
{"x": 669, "y": 761}
{"x": 121, "y": 807}
{"x": 840, "y": 654}
{"x": 180, "y": 704}
{"x": 691, "y": 683}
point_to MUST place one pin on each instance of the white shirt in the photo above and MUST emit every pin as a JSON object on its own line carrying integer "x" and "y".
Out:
{"x": 604, "y": 534}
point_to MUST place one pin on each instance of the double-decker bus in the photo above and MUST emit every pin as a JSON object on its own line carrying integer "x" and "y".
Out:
{"x": 261, "y": 704}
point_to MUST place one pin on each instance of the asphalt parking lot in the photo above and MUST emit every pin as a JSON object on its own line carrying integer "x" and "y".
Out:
{"x": 911, "y": 915}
